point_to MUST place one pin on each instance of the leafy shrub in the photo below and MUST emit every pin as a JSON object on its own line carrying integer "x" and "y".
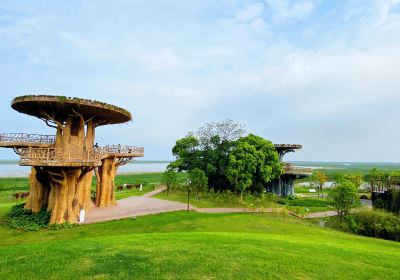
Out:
{"x": 23, "y": 219}
{"x": 375, "y": 223}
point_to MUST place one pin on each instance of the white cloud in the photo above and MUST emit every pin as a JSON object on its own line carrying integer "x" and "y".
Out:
{"x": 174, "y": 74}
{"x": 288, "y": 9}
{"x": 249, "y": 13}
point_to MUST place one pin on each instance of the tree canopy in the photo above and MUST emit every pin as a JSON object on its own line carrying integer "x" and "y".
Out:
{"x": 253, "y": 162}
{"x": 228, "y": 160}
{"x": 344, "y": 197}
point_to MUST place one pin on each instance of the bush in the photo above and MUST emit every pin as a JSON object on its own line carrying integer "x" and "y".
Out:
{"x": 344, "y": 197}
{"x": 375, "y": 223}
{"x": 23, "y": 219}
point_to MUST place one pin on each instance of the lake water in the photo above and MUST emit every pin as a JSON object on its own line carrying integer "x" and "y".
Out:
{"x": 12, "y": 169}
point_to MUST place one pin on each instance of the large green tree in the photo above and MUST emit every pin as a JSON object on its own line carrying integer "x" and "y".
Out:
{"x": 253, "y": 162}
{"x": 208, "y": 149}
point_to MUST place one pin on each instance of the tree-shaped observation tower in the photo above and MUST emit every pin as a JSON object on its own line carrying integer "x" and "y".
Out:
{"x": 63, "y": 165}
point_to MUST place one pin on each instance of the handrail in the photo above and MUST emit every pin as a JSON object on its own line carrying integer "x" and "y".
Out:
{"x": 383, "y": 185}
{"x": 27, "y": 138}
{"x": 51, "y": 155}
{"x": 58, "y": 154}
{"x": 119, "y": 150}
{"x": 290, "y": 169}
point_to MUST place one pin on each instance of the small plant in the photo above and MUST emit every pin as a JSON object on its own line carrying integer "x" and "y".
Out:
{"x": 23, "y": 219}
{"x": 65, "y": 225}
{"x": 62, "y": 98}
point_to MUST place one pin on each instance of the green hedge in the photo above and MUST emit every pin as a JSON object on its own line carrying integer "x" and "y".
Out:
{"x": 375, "y": 223}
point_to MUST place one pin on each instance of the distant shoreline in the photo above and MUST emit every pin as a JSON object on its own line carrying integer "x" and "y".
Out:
{"x": 11, "y": 169}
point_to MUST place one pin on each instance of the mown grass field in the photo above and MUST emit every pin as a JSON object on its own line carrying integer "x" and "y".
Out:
{"x": 187, "y": 245}
{"x": 8, "y": 186}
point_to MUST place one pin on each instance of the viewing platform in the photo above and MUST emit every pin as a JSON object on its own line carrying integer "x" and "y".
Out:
{"x": 25, "y": 140}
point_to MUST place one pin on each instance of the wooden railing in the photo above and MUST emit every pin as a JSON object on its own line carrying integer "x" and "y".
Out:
{"x": 54, "y": 155}
{"x": 27, "y": 138}
{"x": 73, "y": 157}
{"x": 120, "y": 150}
{"x": 383, "y": 185}
{"x": 290, "y": 169}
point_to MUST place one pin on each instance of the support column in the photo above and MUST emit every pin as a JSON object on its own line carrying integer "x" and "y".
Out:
{"x": 39, "y": 189}
{"x": 105, "y": 182}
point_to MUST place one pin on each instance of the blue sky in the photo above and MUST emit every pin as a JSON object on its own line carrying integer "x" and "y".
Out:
{"x": 322, "y": 73}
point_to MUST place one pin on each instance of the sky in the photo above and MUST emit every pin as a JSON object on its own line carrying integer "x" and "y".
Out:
{"x": 321, "y": 73}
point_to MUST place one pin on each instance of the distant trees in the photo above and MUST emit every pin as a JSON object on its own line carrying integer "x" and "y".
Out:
{"x": 229, "y": 160}
{"x": 321, "y": 179}
{"x": 355, "y": 178}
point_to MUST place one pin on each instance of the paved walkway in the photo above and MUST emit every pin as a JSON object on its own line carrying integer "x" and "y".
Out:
{"x": 155, "y": 192}
{"x": 321, "y": 214}
{"x": 132, "y": 207}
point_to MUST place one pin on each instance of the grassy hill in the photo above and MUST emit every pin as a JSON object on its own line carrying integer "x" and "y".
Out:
{"x": 187, "y": 245}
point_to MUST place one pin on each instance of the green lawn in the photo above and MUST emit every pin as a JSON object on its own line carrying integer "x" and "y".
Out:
{"x": 187, "y": 245}
{"x": 8, "y": 186}
{"x": 143, "y": 178}
{"x": 214, "y": 201}
{"x": 120, "y": 194}
{"x": 299, "y": 205}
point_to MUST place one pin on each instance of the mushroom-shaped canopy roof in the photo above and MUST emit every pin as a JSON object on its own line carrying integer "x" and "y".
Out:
{"x": 283, "y": 147}
{"x": 61, "y": 107}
